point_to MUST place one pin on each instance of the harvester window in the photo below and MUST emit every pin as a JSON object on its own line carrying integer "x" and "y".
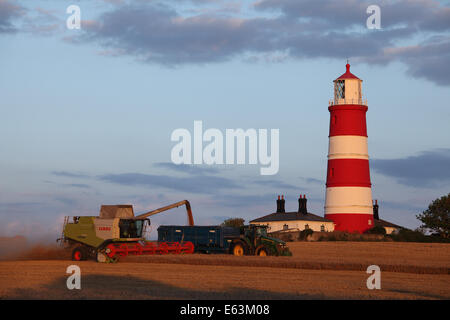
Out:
{"x": 130, "y": 228}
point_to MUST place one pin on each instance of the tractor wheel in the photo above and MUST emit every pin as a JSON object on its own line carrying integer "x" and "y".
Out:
{"x": 79, "y": 254}
{"x": 238, "y": 249}
{"x": 262, "y": 251}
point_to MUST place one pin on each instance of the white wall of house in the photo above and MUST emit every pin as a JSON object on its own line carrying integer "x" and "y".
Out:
{"x": 390, "y": 230}
{"x": 297, "y": 224}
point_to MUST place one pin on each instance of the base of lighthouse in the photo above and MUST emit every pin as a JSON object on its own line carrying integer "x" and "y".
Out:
{"x": 351, "y": 222}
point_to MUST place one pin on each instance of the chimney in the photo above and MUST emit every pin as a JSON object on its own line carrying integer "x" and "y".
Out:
{"x": 302, "y": 205}
{"x": 375, "y": 211}
{"x": 278, "y": 205}
{"x": 282, "y": 201}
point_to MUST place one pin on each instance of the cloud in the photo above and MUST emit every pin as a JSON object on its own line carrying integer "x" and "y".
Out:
{"x": 185, "y": 168}
{"x": 402, "y": 206}
{"x": 275, "y": 184}
{"x": 428, "y": 169}
{"x": 69, "y": 174}
{"x": 313, "y": 180}
{"x": 428, "y": 60}
{"x": 77, "y": 185}
{"x": 427, "y": 15}
{"x": 40, "y": 21}
{"x": 245, "y": 201}
{"x": 266, "y": 200}
{"x": 274, "y": 31}
{"x": 194, "y": 184}
{"x": 66, "y": 200}
{"x": 14, "y": 207}
{"x": 156, "y": 33}
{"x": 8, "y": 13}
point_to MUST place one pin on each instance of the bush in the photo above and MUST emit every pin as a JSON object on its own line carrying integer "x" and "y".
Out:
{"x": 376, "y": 230}
{"x": 407, "y": 235}
{"x": 304, "y": 234}
{"x": 233, "y": 222}
{"x": 332, "y": 238}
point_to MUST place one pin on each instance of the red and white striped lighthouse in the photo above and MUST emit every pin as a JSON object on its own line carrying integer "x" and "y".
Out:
{"x": 348, "y": 200}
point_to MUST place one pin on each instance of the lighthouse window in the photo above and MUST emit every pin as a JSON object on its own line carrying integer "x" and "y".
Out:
{"x": 334, "y": 120}
{"x": 359, "y": 90}
{"x": 339, "y": 89}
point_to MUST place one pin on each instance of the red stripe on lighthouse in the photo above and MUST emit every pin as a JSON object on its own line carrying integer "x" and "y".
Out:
{"x": 351, "y": 222}
{"x": 348, "y": 173}
{"x": 348, "y": 120}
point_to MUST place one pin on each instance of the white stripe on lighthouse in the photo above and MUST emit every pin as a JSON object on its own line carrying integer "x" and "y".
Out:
{"x": 348, "y": 147}
{"x": 348, "y": 200}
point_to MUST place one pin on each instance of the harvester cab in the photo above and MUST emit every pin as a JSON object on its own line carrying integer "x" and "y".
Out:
{"x": 118, "y": 232}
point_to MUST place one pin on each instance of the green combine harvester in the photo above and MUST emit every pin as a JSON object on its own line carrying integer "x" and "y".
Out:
{"x": 116, "y": 232}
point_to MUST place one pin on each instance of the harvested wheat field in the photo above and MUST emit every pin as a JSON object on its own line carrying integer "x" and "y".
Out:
{"x": 320, "y": 270}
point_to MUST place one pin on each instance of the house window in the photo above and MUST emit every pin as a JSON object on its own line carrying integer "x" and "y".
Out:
{"x": 370, "y": 222}
{"x": 322, "y": 228}
{"x": 285, "y": 227}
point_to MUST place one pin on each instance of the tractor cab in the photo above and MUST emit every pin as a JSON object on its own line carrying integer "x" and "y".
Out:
{"x": 254, "y": 231}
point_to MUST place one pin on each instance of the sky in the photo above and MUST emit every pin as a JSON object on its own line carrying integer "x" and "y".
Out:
{"x": 87, "y": 114}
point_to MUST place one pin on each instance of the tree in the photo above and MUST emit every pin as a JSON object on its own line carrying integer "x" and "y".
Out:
{"x": 437, "y": 217}
{"x": 377, "y": 230}
{"x": 233, "y": 222}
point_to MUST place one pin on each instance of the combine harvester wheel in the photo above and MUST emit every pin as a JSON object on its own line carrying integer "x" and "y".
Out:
{"x": 79, "y": 254}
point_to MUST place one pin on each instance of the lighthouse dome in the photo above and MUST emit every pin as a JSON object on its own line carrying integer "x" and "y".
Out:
{"x": 347, "y": 74}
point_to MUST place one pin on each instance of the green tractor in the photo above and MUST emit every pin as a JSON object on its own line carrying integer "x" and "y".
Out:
{"x": 116, "y": 232}
{"x": 253, "y": 240}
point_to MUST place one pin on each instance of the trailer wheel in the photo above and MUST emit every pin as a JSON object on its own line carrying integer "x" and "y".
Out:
{"x": 262, "y": 251}
{"x": 79, "y": 254}
{"x": 238, "y": 249}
